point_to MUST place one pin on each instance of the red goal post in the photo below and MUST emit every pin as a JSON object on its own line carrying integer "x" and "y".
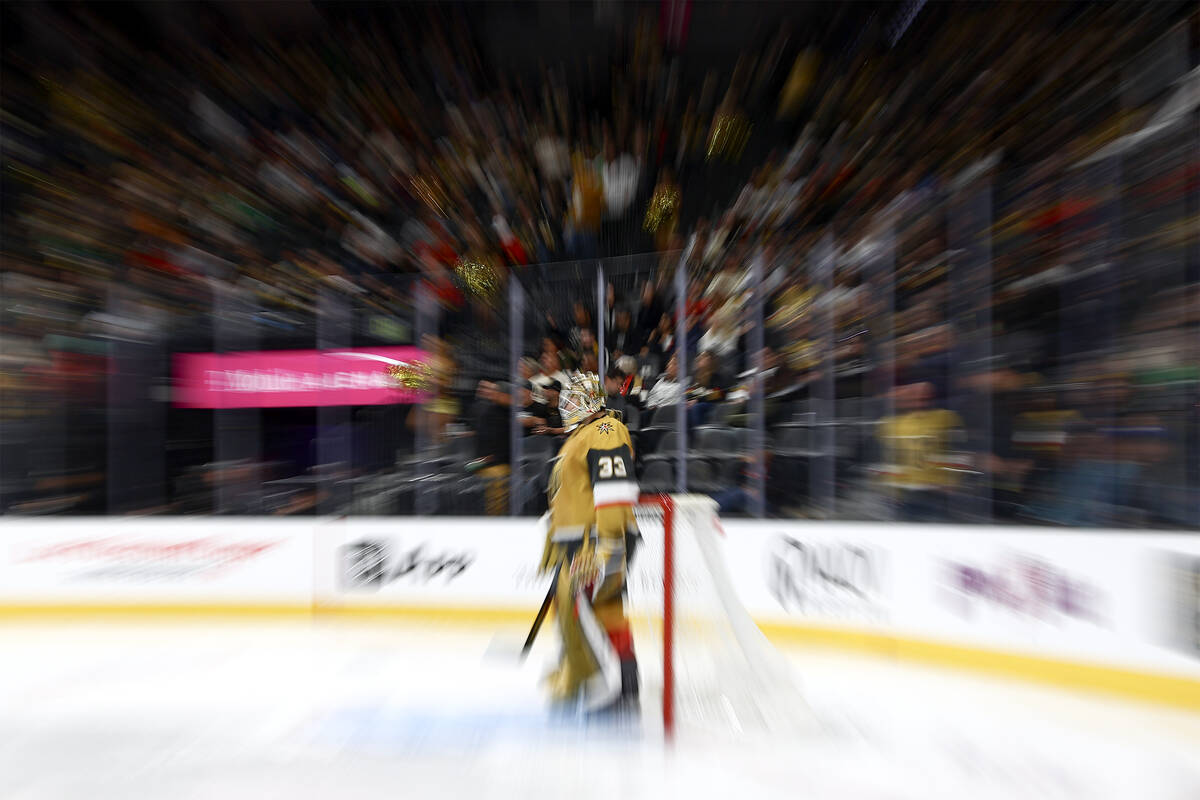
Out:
{"x": 718, "y": 671}
{"x": 665, "y": 504}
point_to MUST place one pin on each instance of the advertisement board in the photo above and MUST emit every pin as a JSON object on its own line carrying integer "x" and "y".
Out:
{"x": 355, "y": 376}
{"x": 1096, "y": 597}
{"x": 398, "y": 562}
{"x": 1180, "y": 576}
{"x": 147, "y": 561}
{"x": 786, "y": 572}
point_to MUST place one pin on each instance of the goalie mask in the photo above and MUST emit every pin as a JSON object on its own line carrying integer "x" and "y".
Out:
{"x": 581, "y": 397}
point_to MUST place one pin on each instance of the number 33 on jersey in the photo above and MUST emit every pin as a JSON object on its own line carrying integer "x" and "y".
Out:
{"x": 594, "y": 471}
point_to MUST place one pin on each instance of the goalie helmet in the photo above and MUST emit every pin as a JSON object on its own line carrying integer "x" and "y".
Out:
{"x": 581, "y": 397}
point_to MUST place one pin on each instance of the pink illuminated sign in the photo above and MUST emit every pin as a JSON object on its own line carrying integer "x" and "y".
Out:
{"x": 354, "y": 376}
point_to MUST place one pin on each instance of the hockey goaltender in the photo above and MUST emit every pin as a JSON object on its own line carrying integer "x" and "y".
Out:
{"x": 590, "y": 537}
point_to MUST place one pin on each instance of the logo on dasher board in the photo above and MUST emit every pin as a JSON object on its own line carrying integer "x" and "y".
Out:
{"x": 1025, "y": 586}
{"x": 1185, "y": 602}
{"x": 827, "y": 579}
{"x": 372, "y": 564}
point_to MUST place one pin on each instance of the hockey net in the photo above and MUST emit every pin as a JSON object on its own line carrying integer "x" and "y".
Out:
{"x": 702, "y": 658}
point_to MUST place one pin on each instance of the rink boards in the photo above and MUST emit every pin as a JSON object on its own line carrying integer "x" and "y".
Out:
{"x": 1115, "y": 611}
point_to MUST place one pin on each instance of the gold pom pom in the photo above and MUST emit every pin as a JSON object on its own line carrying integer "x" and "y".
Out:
{"x": 729, "y": 137}
{"x": 414, "y": 375}
{"x": 663, "y": 206}
{"x": 478, "y": 277}
{"x": 430, "y": 193}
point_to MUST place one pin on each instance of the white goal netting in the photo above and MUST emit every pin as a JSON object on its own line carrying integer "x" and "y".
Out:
{"x": 704, "y": 662}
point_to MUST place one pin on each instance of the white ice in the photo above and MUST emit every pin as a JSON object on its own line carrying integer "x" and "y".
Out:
{"x": 355, "y": 710}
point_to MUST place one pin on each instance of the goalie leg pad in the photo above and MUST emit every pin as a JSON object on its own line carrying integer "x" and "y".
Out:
{"x": 590, "y": 665}
{"x": 603, "y": 687}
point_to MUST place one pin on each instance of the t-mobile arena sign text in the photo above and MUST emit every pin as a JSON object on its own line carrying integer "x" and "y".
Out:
{"x": 353, "y": 376}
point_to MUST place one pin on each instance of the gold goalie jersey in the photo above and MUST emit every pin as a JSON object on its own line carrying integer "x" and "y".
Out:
{"x": 592, "y": 486}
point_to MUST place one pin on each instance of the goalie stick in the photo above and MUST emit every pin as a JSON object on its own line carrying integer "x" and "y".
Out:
{"x": 541, "y": 615}
{"x": 631, "y": 543}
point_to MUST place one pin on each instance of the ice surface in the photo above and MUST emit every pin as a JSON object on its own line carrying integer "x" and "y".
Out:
{"x": 347, "y": 710}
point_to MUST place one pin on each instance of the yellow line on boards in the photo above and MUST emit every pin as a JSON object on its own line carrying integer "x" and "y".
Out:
{"x": 1168, "y": 690}
{"x": 1144, "y": 686}
{"x": 95, "y": 611}
{"x": 439, "y": 614}
{"x": 67, "y": 612}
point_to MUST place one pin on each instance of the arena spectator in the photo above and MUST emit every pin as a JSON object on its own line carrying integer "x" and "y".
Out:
{"x": 666, "y": 391}
{"x": 920, "y": 445}
{"x": 707, "y": 389}
{"x": 492, "y": 445}
{"x": 621, "y": 338}
{"x": 553, "y": 425}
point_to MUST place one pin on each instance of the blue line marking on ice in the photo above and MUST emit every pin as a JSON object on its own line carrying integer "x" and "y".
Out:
{"x": 407, "y": 729}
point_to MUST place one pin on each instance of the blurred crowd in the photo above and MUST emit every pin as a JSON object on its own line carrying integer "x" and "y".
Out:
{"x": 941, "y": 263}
